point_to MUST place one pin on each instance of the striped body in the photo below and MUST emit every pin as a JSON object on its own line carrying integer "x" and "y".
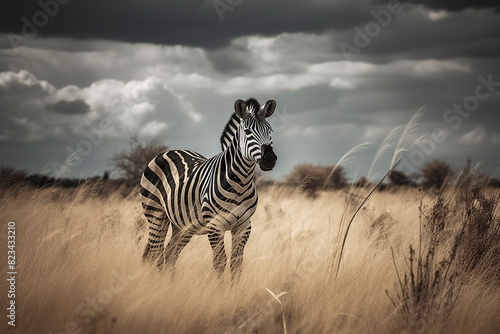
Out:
{"x": 191, "y": 191}
{"x": 194, "y": 195}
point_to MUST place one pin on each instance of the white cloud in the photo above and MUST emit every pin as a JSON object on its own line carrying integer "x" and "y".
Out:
{"x": 24, "y": 81}
{"x": 421, "y": 68}
{"x": 433, "y": 15}
{"x": 432, "y": 66}
{"x": 437, "y": 15}
{"x": 288, "y": 52}
{"x": 280, "y": 63}
{"x": 153, "y": 128}
{"x": 132, "y": 106}
{"x": 341, "y": 83}
{"x": 85, "y": 62}
{"x": 337, "y": 74}
{"x": 327, "y": 132}
{"x": 474, "y": 137}
{"x": 374, "y": 133}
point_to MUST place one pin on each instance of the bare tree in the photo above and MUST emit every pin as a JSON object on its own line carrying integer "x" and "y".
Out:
{"x": 132, "y": 161}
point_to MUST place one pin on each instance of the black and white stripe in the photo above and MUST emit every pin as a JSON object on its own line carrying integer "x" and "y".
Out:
{"x": 194, "y": 195}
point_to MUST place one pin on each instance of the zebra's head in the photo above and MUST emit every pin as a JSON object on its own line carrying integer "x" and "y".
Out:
{"x": 254, "y": 132}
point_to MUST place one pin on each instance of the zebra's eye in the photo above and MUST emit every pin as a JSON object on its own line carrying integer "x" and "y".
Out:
{"x": 248, "y": 132}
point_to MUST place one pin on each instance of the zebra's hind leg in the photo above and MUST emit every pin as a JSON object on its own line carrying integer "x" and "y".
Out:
{"x": 179, "y": 240}
{"x": 158, "y": 228}
{"x": 216, "y": 238}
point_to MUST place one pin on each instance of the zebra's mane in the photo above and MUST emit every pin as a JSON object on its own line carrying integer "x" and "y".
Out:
{"x": 229, "y": 130}
{"x": 234, "y": 121}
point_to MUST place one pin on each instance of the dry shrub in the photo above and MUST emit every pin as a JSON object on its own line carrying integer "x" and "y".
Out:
{"x": 437, "y": 217}
{"x": 311, "y": 179}
{"x": 399, "y": 178}
{"x": 435, "y": 174}
{"x": 479, "y": 247}
{"x": 428, "y": 288}
{"x": 462, "y": 224}
{"x": 363, "y": 182}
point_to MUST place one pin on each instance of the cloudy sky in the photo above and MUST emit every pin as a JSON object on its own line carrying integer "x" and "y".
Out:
{"x": 86, "y": 75}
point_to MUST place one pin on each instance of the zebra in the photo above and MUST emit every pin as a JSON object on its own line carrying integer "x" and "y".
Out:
{"x": 194, "y": 195}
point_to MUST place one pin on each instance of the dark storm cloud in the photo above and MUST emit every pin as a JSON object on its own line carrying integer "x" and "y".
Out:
{"x": 75, "y": 107}
{"x": 194, "y": 23}
{"x": 448, "y": 5}
{"x": 453, "y": 5}
{"x": 227, "y": 62}
{"x": 416, "y": 32}
{"x": 411, "y": 34}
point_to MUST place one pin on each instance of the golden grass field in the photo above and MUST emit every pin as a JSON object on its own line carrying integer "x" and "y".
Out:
{"x": 80, "y": 269}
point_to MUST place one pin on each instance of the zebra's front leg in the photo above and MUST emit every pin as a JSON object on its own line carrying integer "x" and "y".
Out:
{"x": 216, "y": 238}
{"x": 239, "y": 239}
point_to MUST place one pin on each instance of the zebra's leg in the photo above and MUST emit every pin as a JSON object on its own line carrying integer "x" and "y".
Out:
{"x": 216, "y": 238}
{"x": 176, "y": 244}
{"x": 162, "y": 261}
{"x": 239, "y": 240}
{"x": 158, "y": 228}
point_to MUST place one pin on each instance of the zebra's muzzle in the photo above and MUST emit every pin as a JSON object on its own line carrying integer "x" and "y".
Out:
{"x": 268, "y": 160}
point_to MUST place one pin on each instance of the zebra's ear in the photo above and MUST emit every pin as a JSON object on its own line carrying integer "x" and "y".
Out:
{"x": 240, "y": 108}
{"x": 268, "y": 108}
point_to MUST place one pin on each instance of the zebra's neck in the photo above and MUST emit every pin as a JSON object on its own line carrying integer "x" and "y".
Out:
{"x": 240, "y": 168}
{"x": 229, "y": 131}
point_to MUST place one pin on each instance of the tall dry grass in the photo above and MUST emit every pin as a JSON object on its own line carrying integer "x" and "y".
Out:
{"x": 80, "y": 269}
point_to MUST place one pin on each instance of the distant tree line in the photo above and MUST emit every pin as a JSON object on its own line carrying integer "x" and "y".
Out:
{"x": 129, "y": 164}
{"x": 309, "y": 178}
{"x": 10, "y": 177}
{"x": 435, "y": 174}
